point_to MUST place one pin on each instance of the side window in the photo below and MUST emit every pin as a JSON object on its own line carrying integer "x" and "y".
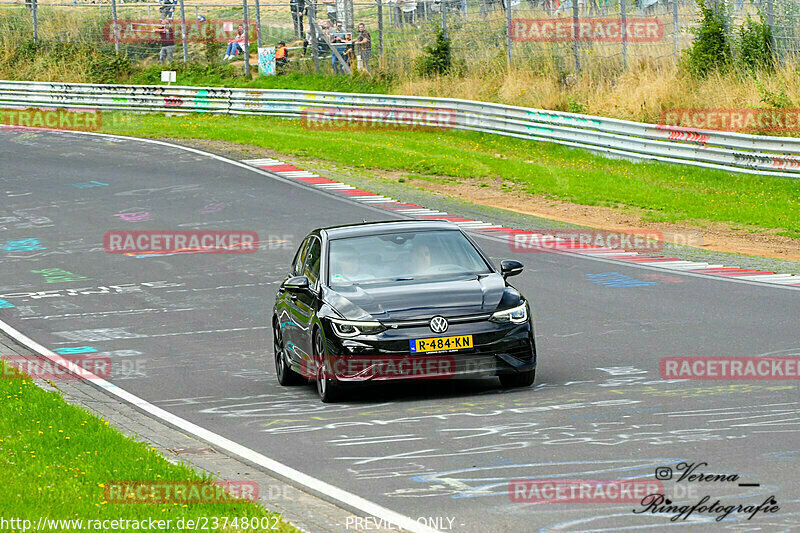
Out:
{"x": 311, "y": 270}
{"x": 299, "y": 258}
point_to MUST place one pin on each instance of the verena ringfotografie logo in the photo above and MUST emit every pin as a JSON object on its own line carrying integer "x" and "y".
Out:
{"x": 152, "y": 31}
{"x": 141, "y": 242}
{"x": 52, "y": 118}
{"x": 68, "y": 367}
{"x": 593, "y": 30}
{"x": 771, "y": 120}
{"x": 180, "y": 492}
{"x": 583, "y": 490}
{"x": 356, "y": 368}
{"x": 376, "y": 118}
{"x": 575, "y": 240}
{"x": 730, "y": 368}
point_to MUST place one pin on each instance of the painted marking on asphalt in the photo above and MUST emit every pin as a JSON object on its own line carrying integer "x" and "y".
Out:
{"x": 319, "y": 487}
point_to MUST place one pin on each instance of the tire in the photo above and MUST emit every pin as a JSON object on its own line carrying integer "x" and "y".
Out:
{"x": 286, "y": 376}
{"x": 519, "y": 379}
{"x": 328, "y": 389}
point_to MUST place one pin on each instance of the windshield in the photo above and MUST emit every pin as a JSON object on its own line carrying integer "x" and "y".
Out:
{"x": 402, "y": 257}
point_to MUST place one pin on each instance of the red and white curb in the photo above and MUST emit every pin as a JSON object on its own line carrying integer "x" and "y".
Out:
{"x": 368, "y": 197}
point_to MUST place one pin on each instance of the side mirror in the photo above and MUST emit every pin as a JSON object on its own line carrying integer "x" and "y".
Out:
{"x": 296, "y": 284}
{"x": 509, "y": 267}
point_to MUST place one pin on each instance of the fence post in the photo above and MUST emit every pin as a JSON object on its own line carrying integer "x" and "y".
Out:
{"x": 380, "y": 32}
{"x": 508, "y": 32}
{"x": 258, "y": 26}
{"x": 623, "y": 25}
{"x": 184, "y": 44}
{"x": 34, "y": 14}
{"x": 676, "y": 29}
{"x": 312, "y": 22}
{"x": 575, "y": 40}
{"x": 246, "y": 17}
{"x": 114, "y": 22}
{"x": 444, "y": 17}
{"x": 349, "y": 16}
{"x": 771, "y": 24}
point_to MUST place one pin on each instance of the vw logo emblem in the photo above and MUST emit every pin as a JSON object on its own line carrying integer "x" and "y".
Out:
{"x": 438, "y": 324}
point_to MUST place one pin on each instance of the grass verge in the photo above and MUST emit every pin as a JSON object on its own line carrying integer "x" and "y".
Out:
{"x": 57, "y": 458}
{"x": 669, "y": 193}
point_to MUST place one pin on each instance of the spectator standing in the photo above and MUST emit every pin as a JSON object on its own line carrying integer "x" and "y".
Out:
{"x": 167, "y": 38}
{"x": 337, "y": 36}
{"x": 298, "y": 7}
{"x": 364, "y": 46}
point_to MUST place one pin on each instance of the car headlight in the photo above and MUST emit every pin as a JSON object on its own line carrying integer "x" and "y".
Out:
{"x": 515, "y": 315}
{"x": 352, "y": 328}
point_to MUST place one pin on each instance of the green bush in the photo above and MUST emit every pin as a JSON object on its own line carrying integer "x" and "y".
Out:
{"x": 437, "y": 58}
{"x": 754, "y": 45}
{"x": 711, "y": 48}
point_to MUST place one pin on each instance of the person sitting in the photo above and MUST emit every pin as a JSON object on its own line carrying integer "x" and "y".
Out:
{"x": 236, "y": 44}
{"x": 281, "y": 56}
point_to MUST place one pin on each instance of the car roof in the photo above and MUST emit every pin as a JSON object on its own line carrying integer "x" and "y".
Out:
{"x": 382, "y": 228}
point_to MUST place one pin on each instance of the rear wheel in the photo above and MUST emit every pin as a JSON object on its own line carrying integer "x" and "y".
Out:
{"x": 328, "y": 389}
{"x": 286, "y": 376}
{"x": 519, "y": 379}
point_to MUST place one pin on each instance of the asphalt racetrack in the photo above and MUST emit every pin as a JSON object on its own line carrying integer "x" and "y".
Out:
{"x": 190, "y": 333}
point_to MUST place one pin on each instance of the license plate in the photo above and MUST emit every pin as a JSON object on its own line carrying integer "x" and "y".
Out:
{"x": 439, "y": 344}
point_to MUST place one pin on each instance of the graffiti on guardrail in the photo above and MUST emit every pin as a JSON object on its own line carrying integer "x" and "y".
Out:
{"x": 668, "y": 142}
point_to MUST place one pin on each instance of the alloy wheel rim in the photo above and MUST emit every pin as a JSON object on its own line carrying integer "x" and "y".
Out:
{"x": 322, "y": 383}
{"x": 278, "y": 355}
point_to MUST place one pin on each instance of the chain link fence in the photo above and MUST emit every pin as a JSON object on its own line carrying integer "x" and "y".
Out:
{"x": 562, "y": 36}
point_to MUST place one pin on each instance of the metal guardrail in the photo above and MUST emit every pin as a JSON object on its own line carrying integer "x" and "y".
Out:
{"x": 736, "y": 152}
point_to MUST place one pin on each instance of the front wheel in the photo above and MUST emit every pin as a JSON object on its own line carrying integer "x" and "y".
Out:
{"x": 328, "y": 389}
{"x": 286, "y": 376}
{"x": 519, "y": 379}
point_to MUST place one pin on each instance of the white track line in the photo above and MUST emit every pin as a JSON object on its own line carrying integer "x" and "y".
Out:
{"x": 221, "y": 442}
{"x": 318, "y": 487}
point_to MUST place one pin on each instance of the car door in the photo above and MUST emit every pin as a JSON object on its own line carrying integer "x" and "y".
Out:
{"x": 306, "y": 303}
{"x": 285, "y": 304}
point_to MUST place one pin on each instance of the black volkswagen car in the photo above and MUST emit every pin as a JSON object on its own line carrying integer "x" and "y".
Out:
{"x": 399, "y": 300}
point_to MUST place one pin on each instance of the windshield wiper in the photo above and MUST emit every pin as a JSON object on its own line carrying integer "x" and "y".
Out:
{"x": 408, "y": 278}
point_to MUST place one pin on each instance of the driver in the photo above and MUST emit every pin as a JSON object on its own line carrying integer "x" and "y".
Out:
{"x": 421, "y": 259}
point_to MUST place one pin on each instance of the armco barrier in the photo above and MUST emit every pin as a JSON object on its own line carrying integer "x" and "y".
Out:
{"x": 737, "y": 152}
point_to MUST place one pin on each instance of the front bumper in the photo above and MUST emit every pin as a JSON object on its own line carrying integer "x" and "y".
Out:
{"x": 497, "y": 349}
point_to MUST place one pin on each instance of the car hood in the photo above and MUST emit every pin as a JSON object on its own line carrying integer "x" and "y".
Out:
{"x": 418, "y": 300}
